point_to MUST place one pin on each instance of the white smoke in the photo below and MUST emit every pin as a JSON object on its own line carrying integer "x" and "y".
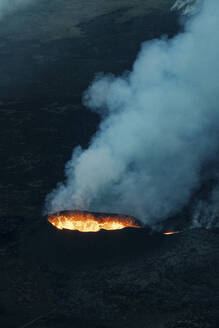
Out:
{"x": 206, "y": 212}
{"x": 7, "y": 6}
{"x": 187, "y": 7}
{"x": 160, "y": 125}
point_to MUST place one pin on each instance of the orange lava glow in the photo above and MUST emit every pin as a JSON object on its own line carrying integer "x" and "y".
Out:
{"x": 90, "y": 222}
{"x": 170, "y": 233}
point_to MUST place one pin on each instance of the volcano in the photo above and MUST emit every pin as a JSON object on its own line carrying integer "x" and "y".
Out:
{"x": 66, "y": 248}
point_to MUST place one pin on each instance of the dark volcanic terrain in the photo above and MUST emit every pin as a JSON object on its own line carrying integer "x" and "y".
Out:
{"x": 49, "y": 53}
{"x": 124, "y": 278}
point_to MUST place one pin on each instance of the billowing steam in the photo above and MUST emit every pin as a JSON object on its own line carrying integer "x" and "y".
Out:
{"x": 187, "y": 7}
{"x": 206, "y": 212}
{"x": 7, "y": 6}
{"x": 160, "y": 125}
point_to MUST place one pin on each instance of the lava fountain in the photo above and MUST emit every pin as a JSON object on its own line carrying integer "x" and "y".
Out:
{"x": 84, "y": 221}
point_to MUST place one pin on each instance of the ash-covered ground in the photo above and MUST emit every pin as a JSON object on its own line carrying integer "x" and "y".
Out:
{"x": 48, "y": 56}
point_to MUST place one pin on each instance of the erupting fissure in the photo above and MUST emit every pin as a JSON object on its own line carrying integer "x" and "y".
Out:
{"x": 91, "y": 222}
{"x": 170, "y": 233}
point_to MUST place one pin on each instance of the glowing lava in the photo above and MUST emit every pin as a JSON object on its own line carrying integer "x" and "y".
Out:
{"x": 90, "y": 222}
{"x": 170, "y": 233}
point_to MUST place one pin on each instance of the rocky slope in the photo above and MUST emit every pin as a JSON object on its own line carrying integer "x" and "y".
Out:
{"x": 124, "y": 279}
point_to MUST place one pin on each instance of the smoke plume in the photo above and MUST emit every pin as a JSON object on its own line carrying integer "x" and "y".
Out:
{"x": 187, "y": 7}
{"x": 205, "y": 212}
{"x": 160, "y": 126}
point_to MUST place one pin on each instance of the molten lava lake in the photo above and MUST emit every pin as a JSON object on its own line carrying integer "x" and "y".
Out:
{"x": 84, "y": 221}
